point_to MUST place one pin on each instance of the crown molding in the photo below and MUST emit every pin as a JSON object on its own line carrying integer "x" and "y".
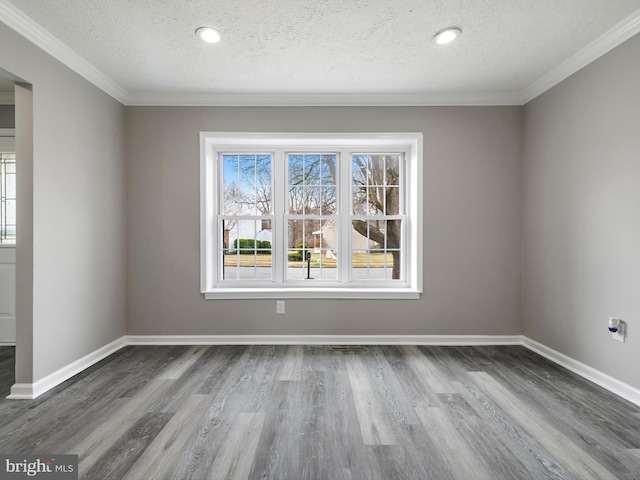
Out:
{"x": 315, "y": 100}
{"x": 618, "y": 34}
{"x": 25, "y": 26}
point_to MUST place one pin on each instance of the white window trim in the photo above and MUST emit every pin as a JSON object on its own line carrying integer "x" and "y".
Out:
{"x": 213, "y": 142}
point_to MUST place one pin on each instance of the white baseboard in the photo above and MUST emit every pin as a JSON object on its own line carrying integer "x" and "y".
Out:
{"x": 599, "y": 378}
{"x": 29, "y": 391}
{"x": 21, "y": 391}
{"x": 324, "y": 340}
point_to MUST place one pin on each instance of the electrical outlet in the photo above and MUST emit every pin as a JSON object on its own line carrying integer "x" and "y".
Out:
{"x": 280, "y": 307}
{"x": 619, "y": 335}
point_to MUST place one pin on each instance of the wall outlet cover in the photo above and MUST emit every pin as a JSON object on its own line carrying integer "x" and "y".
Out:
{"x": 619, "y": 335}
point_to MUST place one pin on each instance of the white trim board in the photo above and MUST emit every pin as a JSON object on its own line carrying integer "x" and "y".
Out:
{"x": 599, "y": 378}
{"x": 617, "y": 35}
{"x": 28, "y": 391}
{"x": 324, "y": 100}
{"x": 15, "y": 19}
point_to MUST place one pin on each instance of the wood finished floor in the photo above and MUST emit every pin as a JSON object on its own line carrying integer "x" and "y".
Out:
{"x": 304, "y": 412}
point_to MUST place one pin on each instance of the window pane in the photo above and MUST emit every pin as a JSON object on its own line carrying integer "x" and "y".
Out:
{"x": 392, "y": 200}
{"x": 329, "y": 166}
{"x": 230, "y": 173}
{"x": 376, "y": 172}
{"x": 371, "y": 265}
{"x": 296, "y": 170}
{"x": 247, "y": 249}
{"x": 359, "y": 169}
{"x": 311, "y": 249}
{"x": 263, "y": 169}
{"x": 11, "y": 212}
{"x": 310, "y": 177}
{"x": 247, "y": 169}
{"x": 392, "y": 170}
{"x": 7, "y": 198}
{"x": 312, "y": 170}
{"x": 296, "y": 200}
{"x": 262, "y": 200}
{"x": 233, "y": 201}
{"x": 328, "y": 201}
{"x": 375, "y": 184}
{"x": 247, "y": 185}
{"x": 301, "y": 233}
{"x": 10, "y": 184}
{"x": 376, "y": 249}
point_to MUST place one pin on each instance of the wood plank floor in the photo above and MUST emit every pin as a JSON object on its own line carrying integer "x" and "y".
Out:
{"x": 305, "y": 412}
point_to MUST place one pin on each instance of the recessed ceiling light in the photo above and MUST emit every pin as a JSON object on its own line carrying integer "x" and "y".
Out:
{"x": 447, "y": 35}
{"x": 208, "y": 34}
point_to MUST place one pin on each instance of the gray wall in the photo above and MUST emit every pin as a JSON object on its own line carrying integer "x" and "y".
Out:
{"x": 7, "y": 116}
{"x": 581, "y": 214}
{"x": 77, "y": 194}
{"x": 24, "y": 246}
{"x": 472, "y": 245}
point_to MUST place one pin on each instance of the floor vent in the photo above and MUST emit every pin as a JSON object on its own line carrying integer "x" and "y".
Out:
{"x": 348, "y": 348}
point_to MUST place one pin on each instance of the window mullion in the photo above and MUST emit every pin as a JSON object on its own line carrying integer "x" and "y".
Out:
{"x": 279, "y": 244}
{"x": 212, "y": 172}
{"x": 344, "y": 209}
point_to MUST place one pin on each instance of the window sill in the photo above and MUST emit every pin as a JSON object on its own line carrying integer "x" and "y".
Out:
{"x": 312, "y": 293}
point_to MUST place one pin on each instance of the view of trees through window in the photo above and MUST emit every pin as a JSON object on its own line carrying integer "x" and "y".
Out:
{"x": 314, "y": 216}
{"x": 376, "y": 202}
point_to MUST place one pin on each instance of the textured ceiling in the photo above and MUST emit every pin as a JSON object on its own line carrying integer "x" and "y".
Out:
{"x": 326, "y": 46}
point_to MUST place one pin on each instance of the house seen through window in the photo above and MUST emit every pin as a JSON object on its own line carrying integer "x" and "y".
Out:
{"x": 314, "y": 216}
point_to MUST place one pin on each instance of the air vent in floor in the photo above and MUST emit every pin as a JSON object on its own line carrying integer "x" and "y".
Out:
{"x": 348, "y": 348}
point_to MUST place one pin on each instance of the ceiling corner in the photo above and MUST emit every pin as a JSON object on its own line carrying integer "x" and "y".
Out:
{"x": 618, "y": 34}
{"x": 25, "y": 26}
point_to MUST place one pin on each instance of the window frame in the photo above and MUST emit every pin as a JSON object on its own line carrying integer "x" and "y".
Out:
{"x": 7, "y": 149}
{"x": 212, "y": 144}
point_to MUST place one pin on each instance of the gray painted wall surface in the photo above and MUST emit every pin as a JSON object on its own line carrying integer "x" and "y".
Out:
{"x": 7, "y": 116}
{"x": 576, "y": 198}
{"x": 581, "y": 214}
{"x": 78, "y": 211}
{"x": 24, "y": 247}
{"x": 472, "y": 217}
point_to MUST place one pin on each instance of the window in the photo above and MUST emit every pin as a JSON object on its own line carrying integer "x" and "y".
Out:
{"x": 7, "y": 198}
{"x": 311, "y": 215}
